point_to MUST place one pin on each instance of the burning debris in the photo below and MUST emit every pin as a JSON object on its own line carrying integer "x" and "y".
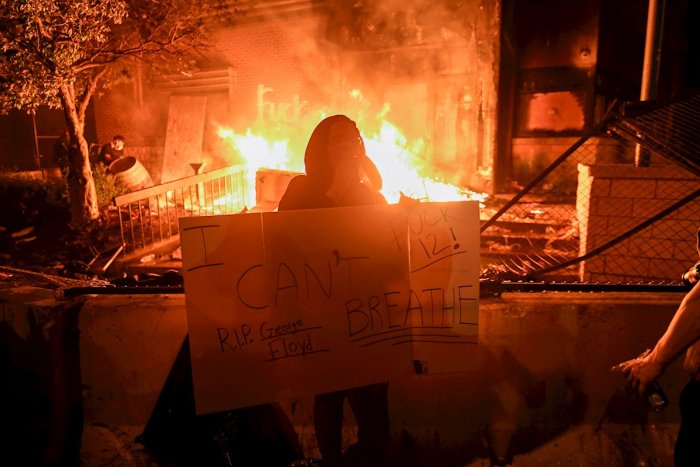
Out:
{"x": 401, "y": 161}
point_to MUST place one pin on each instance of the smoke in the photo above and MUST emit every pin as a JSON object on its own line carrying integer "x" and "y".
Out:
{"x": 412, "y": 63}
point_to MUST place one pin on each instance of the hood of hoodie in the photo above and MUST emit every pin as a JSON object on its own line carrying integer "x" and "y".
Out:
{"x": 320, "y": 165}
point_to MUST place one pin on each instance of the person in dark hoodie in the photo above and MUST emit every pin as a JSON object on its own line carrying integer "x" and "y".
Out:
{"x": 339, "y": 173}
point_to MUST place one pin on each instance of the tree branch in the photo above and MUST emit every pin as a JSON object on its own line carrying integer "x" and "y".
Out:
{"x": 90, "y": 87}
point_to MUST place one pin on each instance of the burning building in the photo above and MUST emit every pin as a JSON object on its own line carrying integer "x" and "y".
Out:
{"x": 420, "y": 81}
{"x": 480, "y": 93}
{"x": 454, "y": 98}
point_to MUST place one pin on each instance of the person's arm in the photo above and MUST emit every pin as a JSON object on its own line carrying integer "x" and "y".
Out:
{"x": 101, "y": 156}
{"x": 108, "y": 155}
{"x": 682, "y": 332}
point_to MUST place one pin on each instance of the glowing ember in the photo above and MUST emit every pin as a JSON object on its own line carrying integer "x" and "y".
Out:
{"x": 399, "y": 161}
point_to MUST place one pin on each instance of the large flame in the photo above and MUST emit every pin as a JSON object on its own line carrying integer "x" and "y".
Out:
{"x": 400, "y": 162}
{"x": 401, "y": 165}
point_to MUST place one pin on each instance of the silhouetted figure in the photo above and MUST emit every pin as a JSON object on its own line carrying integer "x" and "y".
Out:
{"x": 339, "y": 173}
{"x": 60, "y": 152}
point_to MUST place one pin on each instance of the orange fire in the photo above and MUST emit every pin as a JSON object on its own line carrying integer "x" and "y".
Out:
{"x": 399, "y": 160}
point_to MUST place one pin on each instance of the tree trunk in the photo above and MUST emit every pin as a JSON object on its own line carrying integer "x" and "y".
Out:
{"x": 81, "y": 186}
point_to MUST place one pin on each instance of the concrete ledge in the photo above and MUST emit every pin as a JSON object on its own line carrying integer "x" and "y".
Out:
{"x": 662, "y": 172}
{"x": 127, "y": 346}
{"x": 541, "y": 374}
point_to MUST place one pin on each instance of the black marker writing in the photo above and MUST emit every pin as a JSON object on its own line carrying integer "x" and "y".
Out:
{"x": 430, "y": 245}
{"x": 327, "y": 291}
{"x": 397, "y": 236}
{"x": 349, "y": 261}
{"x": 206, "y": 263}
{"x": 261, "y": 285}
{"x": 292, "y": 346}
{"x": 286, "y": 280}
{"x": 241, "y": 282}
{"x": 437, "y": 260}
{"x": 242, "y": 336}
{"x": 400, "y": 309}
{"x": 413, "y": 305}
{"x": 446, "y": 218}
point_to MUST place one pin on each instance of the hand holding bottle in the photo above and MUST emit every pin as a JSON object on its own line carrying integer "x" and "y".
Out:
{"x": 642, "y": 373}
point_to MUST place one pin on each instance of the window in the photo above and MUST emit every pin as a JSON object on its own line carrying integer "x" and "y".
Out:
{"x": 552, "y": 102}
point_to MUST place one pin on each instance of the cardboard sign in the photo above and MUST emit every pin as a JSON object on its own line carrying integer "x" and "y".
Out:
{"x": 292, "y": 303}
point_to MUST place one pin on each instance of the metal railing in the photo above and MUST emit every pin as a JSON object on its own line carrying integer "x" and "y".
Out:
{"x": 148, "y": 218}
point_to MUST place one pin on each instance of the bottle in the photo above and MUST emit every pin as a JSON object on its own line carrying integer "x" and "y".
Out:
{"x": 655, "y": 397}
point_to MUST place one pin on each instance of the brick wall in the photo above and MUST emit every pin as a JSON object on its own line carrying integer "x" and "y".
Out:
{"x": 141, "y": 121}
{"x": 281, "y": 57}
{"x": 121, "y": 112}
{"x": 613, "y": 198}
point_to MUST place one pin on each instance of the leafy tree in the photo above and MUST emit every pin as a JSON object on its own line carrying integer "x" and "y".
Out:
{"x": 58, "y": 53}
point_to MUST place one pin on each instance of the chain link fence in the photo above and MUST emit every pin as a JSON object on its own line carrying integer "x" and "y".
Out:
{"x": 621, "y": 205}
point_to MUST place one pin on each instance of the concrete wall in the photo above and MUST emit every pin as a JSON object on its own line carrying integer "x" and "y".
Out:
{"x": 40, "y": 395}
{"x": 540, "y": 386}
{"x": 540, "y": 390}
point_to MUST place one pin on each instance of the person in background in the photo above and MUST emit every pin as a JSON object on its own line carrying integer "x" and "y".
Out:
{"x": 339, "y": 173}
{"x": 111, "y": 151}
{"x": 682, "y": 334}
{"x": 60, "y": 152}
